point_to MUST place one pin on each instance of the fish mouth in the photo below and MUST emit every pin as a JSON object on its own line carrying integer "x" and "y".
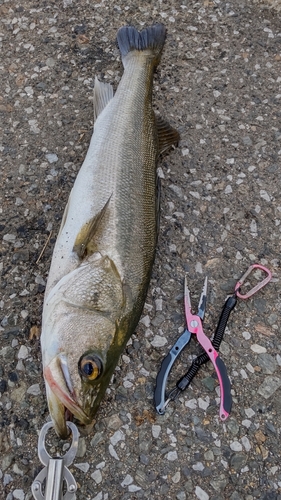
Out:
{"x": 61, "y": 397}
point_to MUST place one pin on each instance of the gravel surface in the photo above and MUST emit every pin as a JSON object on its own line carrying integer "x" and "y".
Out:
{"x": 219, "y": 83}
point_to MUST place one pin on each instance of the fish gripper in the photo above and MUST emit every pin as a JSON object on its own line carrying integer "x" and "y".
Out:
{"x": 55, "y": 481}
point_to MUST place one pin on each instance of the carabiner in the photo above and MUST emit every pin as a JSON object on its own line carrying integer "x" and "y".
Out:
{"x": 255, "y": 288}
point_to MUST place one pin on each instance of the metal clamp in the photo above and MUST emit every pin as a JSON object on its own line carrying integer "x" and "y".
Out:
{"x": 55, "y": 472}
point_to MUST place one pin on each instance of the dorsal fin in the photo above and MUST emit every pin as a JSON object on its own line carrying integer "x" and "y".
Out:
{"x": 103, "y": 93}
{"x": 167, "y": 135}
{"x": 84, "y": 239}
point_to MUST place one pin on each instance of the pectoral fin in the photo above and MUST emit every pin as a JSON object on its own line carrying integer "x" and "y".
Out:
{"x": 167, "y": 135}
{"x": 84, "y": 240}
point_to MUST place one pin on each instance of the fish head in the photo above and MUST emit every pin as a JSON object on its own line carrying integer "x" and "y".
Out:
{"x": 81, "y": 344}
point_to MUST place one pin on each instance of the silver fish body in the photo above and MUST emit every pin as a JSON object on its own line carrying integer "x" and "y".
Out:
{"x": 105, "y": 249}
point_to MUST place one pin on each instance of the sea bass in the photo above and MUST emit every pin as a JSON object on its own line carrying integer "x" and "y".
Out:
{"x": 105, "y": 248}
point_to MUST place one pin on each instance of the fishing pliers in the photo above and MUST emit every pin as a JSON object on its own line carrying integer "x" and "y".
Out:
{"x": 194, "y": 326}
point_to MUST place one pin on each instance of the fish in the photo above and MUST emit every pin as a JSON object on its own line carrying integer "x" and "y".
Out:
{"x": 104, "y": 252}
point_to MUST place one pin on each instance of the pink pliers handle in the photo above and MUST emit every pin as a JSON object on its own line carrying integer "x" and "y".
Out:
{"x": 194, "y": 325}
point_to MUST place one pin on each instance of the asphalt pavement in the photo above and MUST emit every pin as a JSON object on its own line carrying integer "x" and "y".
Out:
{"x": 219, "y": 84}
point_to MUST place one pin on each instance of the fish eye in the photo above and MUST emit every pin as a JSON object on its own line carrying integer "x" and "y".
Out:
{"x": 90, "y": 367}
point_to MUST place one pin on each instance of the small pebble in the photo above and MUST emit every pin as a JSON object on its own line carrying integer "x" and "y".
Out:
{"x": 133, "y": 487}
{"x": 7, "y": 479}
{"x": 192, "y": 404}
{"x": 201, "y": 494}
{"x": 270, "y": 427}
{"x": 113, "y": 452}
{"x": 224, "y": 348}
{"x": 99, "y": 496}
{"x": 264, "y": 195}
{"x": 243, "y": 374}
{"x": 249, "y": 412}
{"x": 34, "y": 390}
{"x": 84, "y": 467}
{"x": 176, "y": 477}
{"x": 247, "y": 423}
{"x": 117, "y": 436}
{"x": 114, "y": 422}
{"x": 199, "y": 466}
{"x": 17, "y": 470}
{"x": 23, "y": 352}
{"x": 181, "y": 496}
{"x": 209, "y": 382}
{"x": 236, "y": 446}
{"x": 82, "y": 448}
{"x": 51, "y": 157}
{"x": 204, "y": 404}
{"x": 258, "y": 348}
{"x": 238, "y": 460}
{"x": 209, "y": 456}
{"x": 269, "y": 386}
{"x": 171, "y": 456}
{"x": 267, "y": 363}
{"x": 144, "y": 459}
{"x": 250, "y": 368}
{"x": 158, "y": 304}
{"x": 246, "y": 443}
{"x": 18, "y": 494}
{"x": 51, "y": 63}
{"x": 9, "y": 237}
{"x": 145, "y": 321}
{"x": 232, "y": 426}
{"x": 3, "y": 386}
{"x": 126, "y": 481}
{"x": 156, "y": 429}
{"x": 97, "y": 476}
{"x": 101, "y": 465}
{"x": 159, "y": 341}
{"x": 177, "y": 190}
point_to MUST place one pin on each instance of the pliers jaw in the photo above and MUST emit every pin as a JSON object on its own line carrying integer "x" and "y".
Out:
{"x": 202, "y": 300}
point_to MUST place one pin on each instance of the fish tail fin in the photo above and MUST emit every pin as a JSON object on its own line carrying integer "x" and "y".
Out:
{"x": 150, "y": 39}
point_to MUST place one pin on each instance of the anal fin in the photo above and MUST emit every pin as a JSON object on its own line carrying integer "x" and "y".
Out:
{"x": 84, "y": 239}
{"x": 167, "y": 135}
{"x": 103, "y": 93}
